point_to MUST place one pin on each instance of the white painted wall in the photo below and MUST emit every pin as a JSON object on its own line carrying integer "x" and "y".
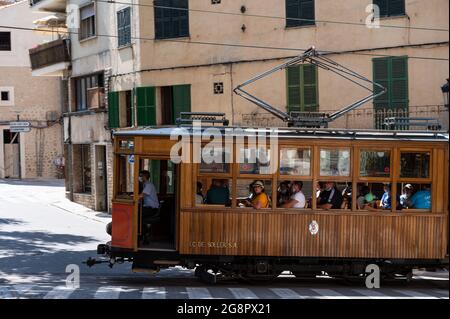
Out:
{"x": 20, "y": 15}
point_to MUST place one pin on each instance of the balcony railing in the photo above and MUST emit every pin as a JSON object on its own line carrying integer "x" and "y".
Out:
{"x": 50, "y": 53}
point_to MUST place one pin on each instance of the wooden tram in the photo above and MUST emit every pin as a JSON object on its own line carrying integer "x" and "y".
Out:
{"x": 235, "y": 241}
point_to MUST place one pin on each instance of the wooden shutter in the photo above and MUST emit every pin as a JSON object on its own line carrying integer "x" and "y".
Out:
{"x": 292, "y": 11}
{"x": 307, "y": 12}
{"x": 145, "y": 103}
{"x": 293, "y": 79}
{"x": 181, "y": 100}
{"x": 302, "y": 88}
{"x": 383, "y": 6}
{"x": 399, "y": 83}
{"x": 113, "y": 109}
{"x": 309, "y": 88}
{"x": 396, "y": 7}
{"x": 381, "y": 76}
{"x": 392, "y": 73}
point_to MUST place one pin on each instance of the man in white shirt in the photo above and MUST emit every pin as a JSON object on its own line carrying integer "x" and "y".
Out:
{"x": 297, "y": 199}
{"x": 150, "y": 199}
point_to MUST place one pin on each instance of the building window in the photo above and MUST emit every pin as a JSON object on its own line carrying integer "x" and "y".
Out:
{"x": 86, "y": 168}
{"x": 302, "y": 88}
{"x": 390, "y": 8}
{"x": 4, "y": 95}
{"x": 171, "y": 23}
{"x": 87, "y": 21}
{"x": 5, "y": 41}
{"x": 124, "y": 27}
{"x": 391, "y": 73}
{"x": 174, "y": 100}
{"x": 299, "y": 13}
{"x": 83, "y": 87}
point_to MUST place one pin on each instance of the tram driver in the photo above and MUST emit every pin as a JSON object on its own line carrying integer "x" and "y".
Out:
{"x": 150, "y": 203}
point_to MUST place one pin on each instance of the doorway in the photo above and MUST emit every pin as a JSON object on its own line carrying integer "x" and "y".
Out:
{"x": 11, "y": 154}
{"x": 157, "y": 227}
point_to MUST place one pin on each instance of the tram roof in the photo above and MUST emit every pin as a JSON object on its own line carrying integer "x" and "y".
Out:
{"x": 303, "y": 133}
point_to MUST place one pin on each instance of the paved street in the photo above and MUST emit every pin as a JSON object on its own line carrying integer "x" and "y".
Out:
{"x": 41, "y": 233}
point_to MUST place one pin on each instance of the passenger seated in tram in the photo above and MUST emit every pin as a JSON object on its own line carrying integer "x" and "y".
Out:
{"x": 386, "y": 198}
{"x": 199, "y": 194}
{"x": 218, "y": 193}
{"x": 330, "y": 197}
{"x": 422, "y": 198}
{"x": 365, "y": 200}
{"x": 297, "y": 199}
{"x": 261, "y": 199}
{"x": 405, "y": 197}
{"x": 283, "y": 195}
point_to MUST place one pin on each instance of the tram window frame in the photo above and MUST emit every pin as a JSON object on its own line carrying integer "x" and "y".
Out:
{"x": 118, "y": 194}
{"x": 378, "y": 209}
{"x": 417, "y": 151}
{"x": 414, "y": 184}
{"x": 200, "y": 176}
{"x": 295, "y": 176}
{"x": 239, "y": 147}
{"x": 308, "y": 202}
{"x": 335, "y": 177}
{"x": 249, "y": 182}
{"x": 348, "y": 181}
{"x": 369, "y": 178}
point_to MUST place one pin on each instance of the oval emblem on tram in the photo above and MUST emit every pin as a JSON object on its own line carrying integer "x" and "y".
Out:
{"x": 314, "y": 227}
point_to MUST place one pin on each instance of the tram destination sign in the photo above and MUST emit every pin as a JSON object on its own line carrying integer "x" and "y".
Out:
{"x": 19, "y": 126}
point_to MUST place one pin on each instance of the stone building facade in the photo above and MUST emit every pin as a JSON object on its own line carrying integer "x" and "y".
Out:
{"x": 38, "y": 101}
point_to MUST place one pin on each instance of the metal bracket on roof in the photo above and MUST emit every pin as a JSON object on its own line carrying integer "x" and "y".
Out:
{"x": 314, "y": 119}
{"x": 187, "y": 118}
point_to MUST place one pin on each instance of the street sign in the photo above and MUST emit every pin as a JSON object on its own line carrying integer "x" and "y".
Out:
{"x": 131, "y": 159}
{"x": 19, "y": 126}
{"x": 19, "y": 129}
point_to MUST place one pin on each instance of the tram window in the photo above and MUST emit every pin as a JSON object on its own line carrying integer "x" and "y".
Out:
{"x": 415, "y": 165}
{"x": 374, "y": 196}
{"x": 334, "y": 195}
{"x": 213, "y": 192}
{"x": 254, "y": 193}
{"x": 126, "y": 145}
{"x": 254, "y": 161}
{"x": 295, "y": 161}
{"x": 162, "y": 175}
{"x": 215, "y": 160}
{"x": 126, "y": 173}
{"x": 375, "y": 163}
{"x": 335, "y": 162}
{"x": 414, "y": 196}
{"x": 301, "y": 192}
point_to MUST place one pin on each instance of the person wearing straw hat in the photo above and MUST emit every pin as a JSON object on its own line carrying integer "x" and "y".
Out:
{"x": 260, "y": 200}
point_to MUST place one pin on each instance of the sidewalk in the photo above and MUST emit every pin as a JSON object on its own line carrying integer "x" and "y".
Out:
{"x": 80, "y": 210}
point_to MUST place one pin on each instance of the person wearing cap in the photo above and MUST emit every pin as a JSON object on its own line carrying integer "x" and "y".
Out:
{"x": 260, "y": 200}
{"x": 406, "y": 196}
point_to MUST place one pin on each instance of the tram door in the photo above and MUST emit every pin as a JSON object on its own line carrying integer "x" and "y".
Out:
{"x": 157, "y": 226}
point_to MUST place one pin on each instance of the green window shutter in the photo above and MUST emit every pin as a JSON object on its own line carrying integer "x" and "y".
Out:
{"x": 293, "y": 79}
{"x": 171, "y": 23}
{"x": 381, "y": 76}
{"x": 399, "y": 83}
{"x": 113, "y": 109}
{"x": 309, "y": 88}
{"x": 181, "y": 100}
{"x": 145, "y": 103}
{"x": 299, "y": 9}
{"x": 392, "y": 73}
{"x": 302, "y": 88}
